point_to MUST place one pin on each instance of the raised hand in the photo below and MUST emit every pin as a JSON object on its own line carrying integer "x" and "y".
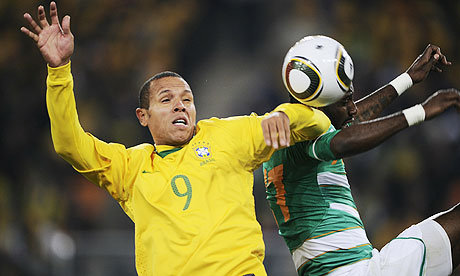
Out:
{"x": 56, "y": 43}
{"x": 426, "y": 62}
{"x": 440, "y": 101}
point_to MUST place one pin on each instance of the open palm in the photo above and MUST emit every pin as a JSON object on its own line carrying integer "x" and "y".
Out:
{"x": 54, "y": 42}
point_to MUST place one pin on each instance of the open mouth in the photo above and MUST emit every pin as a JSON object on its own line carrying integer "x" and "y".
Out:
{"x": 180, "y": 122}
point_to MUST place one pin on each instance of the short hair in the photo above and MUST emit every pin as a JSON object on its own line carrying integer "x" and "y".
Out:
{"x": 144, "y": 92}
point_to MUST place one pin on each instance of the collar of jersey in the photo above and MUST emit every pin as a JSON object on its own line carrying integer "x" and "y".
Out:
{"x": 164, "y": 150}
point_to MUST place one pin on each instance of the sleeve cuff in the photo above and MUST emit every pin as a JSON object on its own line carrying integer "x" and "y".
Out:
{"x": 59, "y": 74}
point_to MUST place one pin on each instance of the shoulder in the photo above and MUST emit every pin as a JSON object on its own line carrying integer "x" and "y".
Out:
{"x": 141, "y": 149}
{"x": 226, "y": 122}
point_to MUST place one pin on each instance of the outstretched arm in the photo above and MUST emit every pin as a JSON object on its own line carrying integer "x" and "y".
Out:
{"x": 372, "y": 105}
{"x": 364, "y": 136}
{"x": 55, "y": 42}
{"x": 296, "y": 122}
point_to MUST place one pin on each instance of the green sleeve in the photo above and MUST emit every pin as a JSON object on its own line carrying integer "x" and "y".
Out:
{"x": 320, "y": 148}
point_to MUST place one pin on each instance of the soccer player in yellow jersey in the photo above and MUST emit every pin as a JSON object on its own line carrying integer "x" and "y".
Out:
{"x": 190, "y": 193}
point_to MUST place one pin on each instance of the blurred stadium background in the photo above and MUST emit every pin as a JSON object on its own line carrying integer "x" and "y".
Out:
{"x": 53, "y": 222}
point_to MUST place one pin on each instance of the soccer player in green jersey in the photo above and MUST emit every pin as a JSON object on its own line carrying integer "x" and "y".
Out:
{"x": 190, "y": 193}
{"x": 309, "y": 194}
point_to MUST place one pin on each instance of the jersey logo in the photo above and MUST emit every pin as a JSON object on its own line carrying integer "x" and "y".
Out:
{"x": 202, "y": 150}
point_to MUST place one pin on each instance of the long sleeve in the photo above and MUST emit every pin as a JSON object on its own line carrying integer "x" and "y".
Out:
{"x": 306, "y": 123}
{"x": 102, "y": 163}
{"x": 244, "y": 133}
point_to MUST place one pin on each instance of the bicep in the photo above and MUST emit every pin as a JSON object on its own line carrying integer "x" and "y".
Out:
{"x": 320, "y": 148}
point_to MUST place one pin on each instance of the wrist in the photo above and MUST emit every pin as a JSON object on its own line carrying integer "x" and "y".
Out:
{"x": 402, "y": 83}
{"x": 414, "y": 115}
{"x": 61, "y": 64}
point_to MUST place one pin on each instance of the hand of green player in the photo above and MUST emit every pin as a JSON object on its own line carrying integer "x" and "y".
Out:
{"x": 440, "y": 101}
{"x": 428, "y": 61}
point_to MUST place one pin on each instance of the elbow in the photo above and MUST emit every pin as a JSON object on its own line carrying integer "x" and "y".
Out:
{"x": 62, "y": 151}
{"x": 337, "y": 148}
{"x": 342, "y": 147}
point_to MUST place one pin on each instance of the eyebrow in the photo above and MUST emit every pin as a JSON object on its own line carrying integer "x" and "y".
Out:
{"x": 163, "y": 92}
{"x": 168, "y": 91}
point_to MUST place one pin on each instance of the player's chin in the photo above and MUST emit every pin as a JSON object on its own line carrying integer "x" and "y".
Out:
{"x": 183, "y": 137}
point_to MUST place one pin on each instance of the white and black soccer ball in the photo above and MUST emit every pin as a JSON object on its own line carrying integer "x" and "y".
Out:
{"x": 317, "y": 71}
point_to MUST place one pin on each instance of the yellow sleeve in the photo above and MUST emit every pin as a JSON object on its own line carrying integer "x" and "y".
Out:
{"x": 102, "y": 163}
{"x": 243, "y": 134}
{"x": 306, "y": 123}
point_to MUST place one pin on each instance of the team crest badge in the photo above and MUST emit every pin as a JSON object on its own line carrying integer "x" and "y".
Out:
{"x": 202, "y": 150}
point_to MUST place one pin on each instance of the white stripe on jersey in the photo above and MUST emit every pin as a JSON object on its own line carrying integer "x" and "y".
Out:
{"x": 328, "y": 178}
{"x": 313, "y": 148}
{"x": 340, "y": 240}
{"x": 346, "y": 208}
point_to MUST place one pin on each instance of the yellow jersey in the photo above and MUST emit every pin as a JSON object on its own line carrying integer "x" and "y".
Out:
{"x": 192, "y": 206}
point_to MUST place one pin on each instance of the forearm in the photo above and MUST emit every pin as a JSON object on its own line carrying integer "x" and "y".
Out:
{"x": 364, "y": 136}
{"x": 66, "y": 131}
{"x": 371, "y": 106}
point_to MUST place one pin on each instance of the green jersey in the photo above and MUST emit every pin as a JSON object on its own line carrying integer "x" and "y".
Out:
{"x": 311, "y": 200}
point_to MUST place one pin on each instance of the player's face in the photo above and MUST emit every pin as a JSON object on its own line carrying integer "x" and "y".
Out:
{"x": 343, "y": 112}
{"x": 171, "y": 115}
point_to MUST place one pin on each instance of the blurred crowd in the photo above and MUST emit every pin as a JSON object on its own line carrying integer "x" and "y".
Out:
{"x": 54, "y": 222}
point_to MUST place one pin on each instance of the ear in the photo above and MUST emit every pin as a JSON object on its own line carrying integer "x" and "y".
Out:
{"x": 142, "y": 115}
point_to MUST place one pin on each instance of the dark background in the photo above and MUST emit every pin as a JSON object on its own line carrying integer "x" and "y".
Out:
{"x": 53, "y": 222}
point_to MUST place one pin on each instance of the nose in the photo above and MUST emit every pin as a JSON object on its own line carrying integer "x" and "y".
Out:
{"x": 352, "y": 109}
{"x": 179, "y": 106}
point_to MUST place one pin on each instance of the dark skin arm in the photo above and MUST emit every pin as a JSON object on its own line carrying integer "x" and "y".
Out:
{"x": 361, "y": 137}
{"x": 372, "y": 105}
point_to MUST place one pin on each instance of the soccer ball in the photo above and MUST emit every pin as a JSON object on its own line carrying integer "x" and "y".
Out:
{"x": 317, "y": 71}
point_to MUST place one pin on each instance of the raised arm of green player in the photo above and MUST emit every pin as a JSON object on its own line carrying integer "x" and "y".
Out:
{"x": 361, "y": 137}
{"x": 371, "y": 106}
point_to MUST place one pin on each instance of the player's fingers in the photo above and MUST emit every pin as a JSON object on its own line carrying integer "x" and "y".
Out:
{"x": 287, "y": 128}
{"x": 32, "y": 23}
{"x": 29, "y": 34}
{"x": 441, "y": 57}
{"x": 428, "y": 52}
{"x": 66, "y": 24}
{"x": 54, "y": 13}
{"x": 266, "y": 133}
{"x": 288, "y": 133}
{"x": 281, "y": 133}
{"x": 444, "y": 60}
{"x": 284, "y": 130}
{"x": 274, "y": 136}
{"x": 272, "y": 132}
{"x": 437, "y": 69}
{"x": 42, "y": 17}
